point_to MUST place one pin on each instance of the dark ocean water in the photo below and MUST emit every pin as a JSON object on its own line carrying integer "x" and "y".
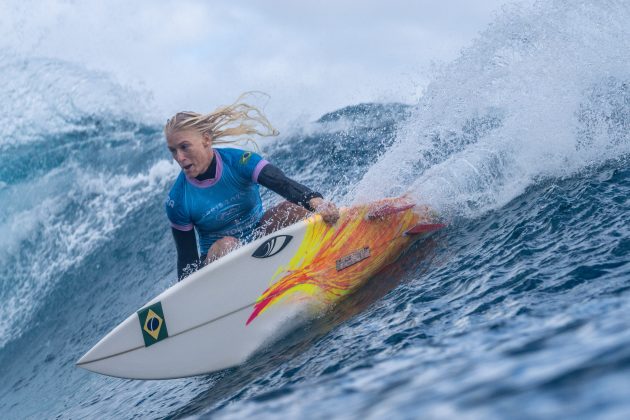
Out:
{"x": 519, "y": 309}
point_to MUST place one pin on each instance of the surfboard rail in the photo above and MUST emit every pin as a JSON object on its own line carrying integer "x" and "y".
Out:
{"x": 221, "y": 314}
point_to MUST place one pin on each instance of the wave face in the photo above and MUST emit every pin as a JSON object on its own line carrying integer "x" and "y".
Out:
{"x": 520, "y": 306}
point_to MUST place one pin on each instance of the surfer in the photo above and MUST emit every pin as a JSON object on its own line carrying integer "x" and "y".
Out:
{"x": 216, "y": 193}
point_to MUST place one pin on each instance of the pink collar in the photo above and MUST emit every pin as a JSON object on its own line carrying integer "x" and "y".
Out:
{"x": 209, "y": 182}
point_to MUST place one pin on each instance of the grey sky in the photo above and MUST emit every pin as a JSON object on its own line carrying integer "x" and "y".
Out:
{"x": 311, "y": 57}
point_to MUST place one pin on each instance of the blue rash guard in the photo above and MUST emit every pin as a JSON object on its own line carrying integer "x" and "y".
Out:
{"x": 227, "y": 205}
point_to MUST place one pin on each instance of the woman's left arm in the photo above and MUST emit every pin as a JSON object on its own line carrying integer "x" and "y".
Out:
{"x": 327, "y": 209}
{"x": 274, "y": 179}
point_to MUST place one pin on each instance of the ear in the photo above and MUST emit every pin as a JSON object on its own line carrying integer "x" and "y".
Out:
{"x": 207, "y": 139}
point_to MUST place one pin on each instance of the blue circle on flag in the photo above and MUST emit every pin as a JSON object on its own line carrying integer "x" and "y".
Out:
{"x": 153, "y": 323}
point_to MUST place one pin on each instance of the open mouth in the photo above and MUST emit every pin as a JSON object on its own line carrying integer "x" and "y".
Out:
{"x": 187, "y": 167}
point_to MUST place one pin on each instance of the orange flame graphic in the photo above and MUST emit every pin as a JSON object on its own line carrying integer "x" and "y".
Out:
{"x": 313, "y": 272}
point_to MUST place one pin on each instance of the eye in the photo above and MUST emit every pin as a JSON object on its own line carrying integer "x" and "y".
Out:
{"x": 272, "y": 246}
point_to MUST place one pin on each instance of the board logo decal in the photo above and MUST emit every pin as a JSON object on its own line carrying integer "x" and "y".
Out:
{"x": 153, "y": 324}
{"x": 245, "y": 158}
{"x": 272, "y": 246}
{"x": 353, "y": 258}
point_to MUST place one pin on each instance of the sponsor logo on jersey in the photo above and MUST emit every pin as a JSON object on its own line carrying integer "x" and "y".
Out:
{"x": 245, "y": 158}
{"x": 153, "y": 324}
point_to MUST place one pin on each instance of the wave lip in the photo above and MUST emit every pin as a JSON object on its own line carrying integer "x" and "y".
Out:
{"x": 542, "y": 93}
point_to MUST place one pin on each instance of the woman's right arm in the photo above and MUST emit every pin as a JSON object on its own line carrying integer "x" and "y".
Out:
{"x": 187, "y": 254}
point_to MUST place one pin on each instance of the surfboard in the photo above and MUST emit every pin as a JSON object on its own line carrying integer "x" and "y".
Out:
{"x": 223, "y": 313}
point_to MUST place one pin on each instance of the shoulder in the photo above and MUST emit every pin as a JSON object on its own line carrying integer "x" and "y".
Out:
{"x": 175, "y": 205}
{"x": 244, "y": 162}
{"x": 175, "y": 200}
{"x": 177, "y": 190}
{"x": 234, "y": 156}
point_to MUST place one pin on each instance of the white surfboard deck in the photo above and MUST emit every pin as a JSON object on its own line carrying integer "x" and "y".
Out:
{"x": 202, "y": 321}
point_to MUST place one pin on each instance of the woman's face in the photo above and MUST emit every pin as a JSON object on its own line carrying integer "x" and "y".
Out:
{"x": 192, "y": 151}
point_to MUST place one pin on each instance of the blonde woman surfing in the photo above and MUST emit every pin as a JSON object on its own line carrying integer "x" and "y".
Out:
{"x": 216, "y": 193}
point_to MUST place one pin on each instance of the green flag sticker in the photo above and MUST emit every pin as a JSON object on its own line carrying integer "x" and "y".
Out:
{"x": 152, "y": 324}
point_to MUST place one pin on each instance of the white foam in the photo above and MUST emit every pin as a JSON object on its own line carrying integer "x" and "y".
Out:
{"x": 43, "y": 97}
{"x": 549, "y": 75}
{"x": 196, "y": 55}
{"x": 99, "y": 202}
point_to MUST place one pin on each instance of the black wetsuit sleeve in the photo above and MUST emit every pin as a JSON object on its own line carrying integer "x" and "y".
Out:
{"x": 274, "y": 179}
{"x": 187, "y": 254}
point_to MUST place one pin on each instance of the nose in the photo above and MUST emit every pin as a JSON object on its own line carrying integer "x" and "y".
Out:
{"x": 178, "y": 156}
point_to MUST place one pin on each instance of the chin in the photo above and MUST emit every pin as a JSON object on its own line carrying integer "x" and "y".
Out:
{"x": 190, "y": 173}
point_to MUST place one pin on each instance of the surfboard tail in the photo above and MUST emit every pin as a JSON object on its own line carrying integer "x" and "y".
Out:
{"x": 388, "y": 207}
{"x": 424, "y": 228}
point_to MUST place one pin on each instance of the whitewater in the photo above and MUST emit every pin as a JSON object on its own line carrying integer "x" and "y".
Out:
{"x": 518, "y": 309}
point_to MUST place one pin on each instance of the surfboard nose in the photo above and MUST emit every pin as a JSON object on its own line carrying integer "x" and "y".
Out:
{"x": 124, "y": 338}
{"x": 83, "y": 359}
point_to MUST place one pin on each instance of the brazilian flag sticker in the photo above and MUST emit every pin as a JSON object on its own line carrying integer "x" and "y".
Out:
{"x": 153, "y": 324}
{"x": 245, "y": 158}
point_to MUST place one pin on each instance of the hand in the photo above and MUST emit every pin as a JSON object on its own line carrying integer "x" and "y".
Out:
{"x": 326, "y": 209}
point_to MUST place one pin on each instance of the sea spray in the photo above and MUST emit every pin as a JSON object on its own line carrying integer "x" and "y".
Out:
{"x": 542, "y": 93}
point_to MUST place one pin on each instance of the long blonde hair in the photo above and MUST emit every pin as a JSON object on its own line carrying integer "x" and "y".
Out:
{"x": 235, "y": 120}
